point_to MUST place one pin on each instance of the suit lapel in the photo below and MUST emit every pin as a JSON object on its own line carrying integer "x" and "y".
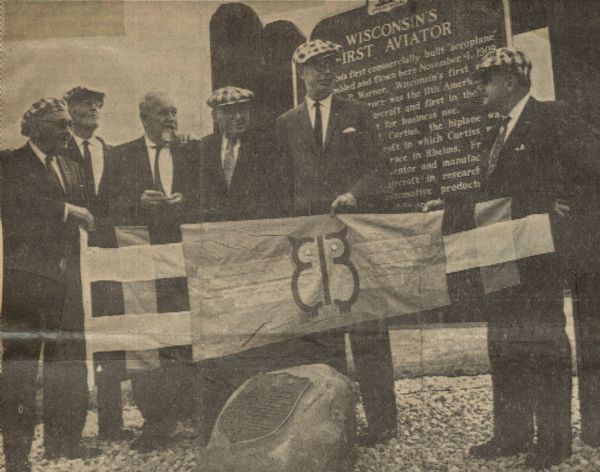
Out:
{"x": 518, "y": 133}
{"x": 334, "y": 121}
{"x": 42, "y": 171}
{"x": 141, "y": 162}
{"x": 307, "y": 133}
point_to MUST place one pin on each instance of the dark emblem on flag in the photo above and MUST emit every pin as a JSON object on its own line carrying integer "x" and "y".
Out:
{"x": 318, "y": 254}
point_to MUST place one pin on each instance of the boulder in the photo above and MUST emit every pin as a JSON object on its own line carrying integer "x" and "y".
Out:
{"x": 300, "y": 419}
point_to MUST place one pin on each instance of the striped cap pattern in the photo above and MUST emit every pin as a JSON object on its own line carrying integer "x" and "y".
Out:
{"x": 315, "y": 48}
{"x": 229, "y": 95}
{"x": 506, "y": 57}
{"x": 40, "y": 108}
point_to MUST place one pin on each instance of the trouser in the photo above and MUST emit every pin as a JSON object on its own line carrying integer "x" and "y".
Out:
{"x": 586, "y": 313}
{"x": 31, "y": 314}
{"x": 217, "y": 379}
{"x": 165, "y": 395}
{"x": 109, "y": 370}
{"x": 530, "y": 359}
{"x": 69, "y": 371}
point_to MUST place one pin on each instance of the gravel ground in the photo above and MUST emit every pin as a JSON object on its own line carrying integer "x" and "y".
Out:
{"x": 439, "y": 418}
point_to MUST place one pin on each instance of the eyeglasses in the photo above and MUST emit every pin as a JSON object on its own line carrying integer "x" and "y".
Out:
{"x": 93, "y": 101}
{"x": 327, "y": 63}
{"x": 62, "y": 124}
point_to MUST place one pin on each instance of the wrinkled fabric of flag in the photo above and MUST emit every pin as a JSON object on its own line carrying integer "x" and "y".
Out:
{"x": 231, "y": 286}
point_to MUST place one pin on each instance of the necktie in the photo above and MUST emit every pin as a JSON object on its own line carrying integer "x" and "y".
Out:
{"x": 88, "y": 172}
{"x": 498, "y": 145}
{"x": 52, "y": 173}
{"x": 158, "y": 186}
{"x": 318, "y": 126}
{"x": 229, "y": 162}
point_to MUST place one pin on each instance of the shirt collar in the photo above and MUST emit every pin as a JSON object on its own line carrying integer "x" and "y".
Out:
{"x": 225, "y": 140}
{"x": 515, "y": 113}
{"x": 325, "y": 103}
{"x": 80, "y": 141}
{"x": 41, "y": 155}
{"x": 152, "y": 145}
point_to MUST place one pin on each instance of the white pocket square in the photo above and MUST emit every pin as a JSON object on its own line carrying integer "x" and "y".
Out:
{"x": 349, "y": 130}
{"x": 520, "y": 147}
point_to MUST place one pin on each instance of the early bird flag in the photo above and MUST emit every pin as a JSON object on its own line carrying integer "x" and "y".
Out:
{"x": 231, "y": 286}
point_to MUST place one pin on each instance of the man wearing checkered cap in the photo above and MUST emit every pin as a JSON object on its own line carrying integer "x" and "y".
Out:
{"x": 235, "y": 160}
{"x": 235, "y": 163}
{"x": 535, "y": 157}
{"x": 328, "y": 159}
{"x": 42, "y": 204}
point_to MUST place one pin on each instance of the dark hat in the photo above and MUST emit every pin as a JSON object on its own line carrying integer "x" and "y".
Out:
{"x": 80, "y": 92}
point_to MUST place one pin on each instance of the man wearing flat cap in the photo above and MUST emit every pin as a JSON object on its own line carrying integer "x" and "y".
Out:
{"x": 233, "y": 181}
{"x": 536, "y": 157}
{"x": 92, "y": 154}
{"x": 235, "y": 160}
{"x": 42, "y": 204}
{"x": 153, "y": 187}
{"x": 329, "y": 158}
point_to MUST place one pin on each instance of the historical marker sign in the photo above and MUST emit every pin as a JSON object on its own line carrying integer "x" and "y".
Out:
{"x": 411, "y": 62}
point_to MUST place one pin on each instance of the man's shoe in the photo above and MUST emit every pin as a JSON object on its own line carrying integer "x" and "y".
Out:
{"x": 22, "y": 465}
{"x": 374, "y": 438}
{"x": 116, "y": 435}
{"x": 494, "y": 449}
{"x": 81, "y": 452}
{"x": 148, "y": 442}
{"x": 541, "y": 461}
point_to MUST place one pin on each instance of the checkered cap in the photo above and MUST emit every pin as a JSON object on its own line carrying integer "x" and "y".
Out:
{"x": 79, "y": 92}
{"x": 506, "y": 57}
{"x": 38, "y": 109}
{"x": 315, "y": 48}
{"x": 229, "y": 96}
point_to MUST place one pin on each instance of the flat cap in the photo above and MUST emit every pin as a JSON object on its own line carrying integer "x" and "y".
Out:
{"x": 315, "y": 48}
{"x": 40, "y": 108}
{"x": 80, "y": 92}
{"x": 507, "y": 58}
{"x": 229, "y": 95}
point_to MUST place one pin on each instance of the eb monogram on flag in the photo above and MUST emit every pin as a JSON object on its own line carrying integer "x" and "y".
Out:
{"x": 231, "y": 286}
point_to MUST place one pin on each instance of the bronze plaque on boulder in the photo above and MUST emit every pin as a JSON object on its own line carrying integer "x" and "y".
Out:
{"x": 263, "y": 406}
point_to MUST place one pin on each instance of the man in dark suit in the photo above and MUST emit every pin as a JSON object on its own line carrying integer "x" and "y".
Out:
{"x": 233, "y": 184}
{"x": 42, "y": 205}
{"x": 532, "y": 161}
{"x": 235, "y": 161}
{"x": 91, "y": 153}
{"x": 329, "y": 157}
{"x": 153, "y": 187}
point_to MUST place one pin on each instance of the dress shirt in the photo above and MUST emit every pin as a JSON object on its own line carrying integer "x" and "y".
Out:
{"x": 236, "y": 151}
{"x": 41, "y": 155}
{"x": 97, "y": 153}
{"x": 165, "y": 164}
{"x": 515, "y": 114}
{"x": 325, "y": 106}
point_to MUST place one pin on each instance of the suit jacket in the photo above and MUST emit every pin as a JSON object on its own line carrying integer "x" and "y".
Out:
{"x": 97, "y": 202}
{"x": 36, "y": 237}
{"x": 310, "y": 178}
{"x": 250, "y": 194}
{"x": 131, "y": 175}
{"x": 550, "y": 154}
